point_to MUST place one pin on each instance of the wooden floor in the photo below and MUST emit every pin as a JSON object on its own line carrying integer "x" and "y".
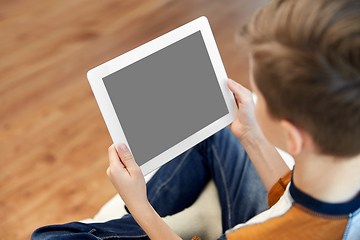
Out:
{"x": 53, "y": 140}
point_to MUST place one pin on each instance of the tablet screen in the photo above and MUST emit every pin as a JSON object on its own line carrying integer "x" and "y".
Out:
{"x": 166, "y": 97}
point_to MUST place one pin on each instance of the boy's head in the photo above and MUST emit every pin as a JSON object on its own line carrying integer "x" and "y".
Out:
{"x": 306, "y": 65}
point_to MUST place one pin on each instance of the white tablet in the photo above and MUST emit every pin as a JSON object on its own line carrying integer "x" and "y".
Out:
{"x": 165, "y": 96}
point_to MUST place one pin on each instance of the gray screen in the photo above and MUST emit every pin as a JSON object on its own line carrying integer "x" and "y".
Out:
{"x": 166, "y": 97}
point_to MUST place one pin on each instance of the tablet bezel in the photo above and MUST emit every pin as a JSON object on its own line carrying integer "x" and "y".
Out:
{"x": 95, "y": 77}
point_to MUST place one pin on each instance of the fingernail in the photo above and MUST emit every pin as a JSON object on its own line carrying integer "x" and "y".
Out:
{"x": 231, "y": 81}
{"x": 123, "y": 147}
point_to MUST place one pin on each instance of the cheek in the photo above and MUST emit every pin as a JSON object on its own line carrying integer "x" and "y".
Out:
{"x": 260, "y": 118}
{"x": 268, "y": 126}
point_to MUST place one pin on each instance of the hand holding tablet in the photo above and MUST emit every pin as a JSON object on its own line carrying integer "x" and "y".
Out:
{"x": 165, "y": 96}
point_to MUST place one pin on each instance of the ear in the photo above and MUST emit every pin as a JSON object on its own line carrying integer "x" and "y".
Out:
{"x": 293, "y": 137}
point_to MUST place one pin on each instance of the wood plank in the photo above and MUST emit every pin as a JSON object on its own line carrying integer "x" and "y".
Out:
{"x": 53, "y": 140}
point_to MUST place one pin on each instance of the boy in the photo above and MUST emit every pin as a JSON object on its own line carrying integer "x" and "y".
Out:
{"x": 305, "y": 70}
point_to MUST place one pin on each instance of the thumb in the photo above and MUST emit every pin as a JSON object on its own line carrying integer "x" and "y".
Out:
{"x": 126, "y": 157}
{"x": 239, "y": 91}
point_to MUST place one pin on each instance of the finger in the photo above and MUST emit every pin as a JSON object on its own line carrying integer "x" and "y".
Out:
{"x": 126, "y": 156}
{"x": 114, "y": 157}
{"x": 239, "y": 91}
{"x": 230, "y": 83}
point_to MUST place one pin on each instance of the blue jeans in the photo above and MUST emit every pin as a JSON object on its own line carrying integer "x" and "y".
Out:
{"x": 177, "y": 185}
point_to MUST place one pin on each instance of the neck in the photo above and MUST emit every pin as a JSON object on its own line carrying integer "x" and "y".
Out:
{"x": 326, "y": 178}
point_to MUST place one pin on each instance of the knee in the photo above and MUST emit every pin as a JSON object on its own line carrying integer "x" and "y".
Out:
{"x": 40, "y": 234}
{"x": 222, "y": 139}
{"x": 61, "y": 232}
{"x": 46, "y": 233}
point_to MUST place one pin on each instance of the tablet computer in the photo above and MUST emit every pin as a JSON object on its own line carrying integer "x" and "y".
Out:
{"x": 165, "y": 96}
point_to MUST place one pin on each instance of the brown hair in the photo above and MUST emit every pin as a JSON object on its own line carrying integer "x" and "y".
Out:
{"x": 307, "y": 65}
